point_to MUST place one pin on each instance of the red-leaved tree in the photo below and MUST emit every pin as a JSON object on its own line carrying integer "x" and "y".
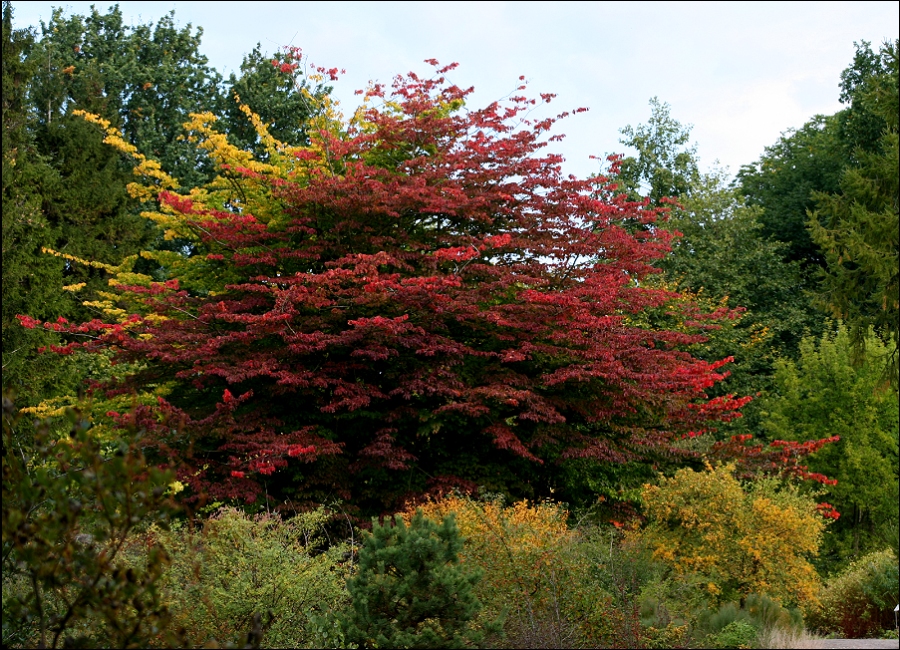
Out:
{"x": 437, "y": 305}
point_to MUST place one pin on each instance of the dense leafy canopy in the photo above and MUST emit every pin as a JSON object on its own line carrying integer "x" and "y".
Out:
{"x": 859, "y": 227}
{"x": 737, "y": 539}
{"x": 145, "y": 78}
{"x": 277, "y": 302}
{"x": 431, "y": 303}
{"x": 31, "y": 280}
{"x": 823, "y": 394}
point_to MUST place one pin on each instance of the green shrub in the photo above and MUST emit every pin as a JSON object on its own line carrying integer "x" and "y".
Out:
{"x": 619, "y": 597}
{"x": 737, "y": 634}
{"x": 70, "y": 506}
{"x": 730, "y": 622}
{"x": 238, "y": 568}
{"x": 767, "y": 614}
{"x": 859, "y": 601}
{"x": 411, "y": 591}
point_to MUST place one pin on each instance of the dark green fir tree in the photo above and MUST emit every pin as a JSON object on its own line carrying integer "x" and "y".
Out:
{"x": 411, "y": 591}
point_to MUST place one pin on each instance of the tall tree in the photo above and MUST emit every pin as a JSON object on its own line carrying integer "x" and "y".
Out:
{"x": 723, "y": 256}
{"x": 823, "y": 394}
{"x": 782, "y": 182}
{"x": 666, "y": 162}
{"x": 145, "y": 79}
{"x": 423, "y": 301}
{"x": 812, "y": 159}
{"x": 275, "y": 90}
{"x": 858, "y": 228}
{"x": 31, "y": 281}
{"x": 720, "y": 255}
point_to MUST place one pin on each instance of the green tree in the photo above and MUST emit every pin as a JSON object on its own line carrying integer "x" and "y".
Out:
{"x": 666, "y": 164}
{"x": 823, "y": 394}
{"x": 722, "y": 256}
{"x": 723, "y": 252}
{"x": 805, "y": 160}
{"x": 864, "y": 123}
{"x": 85, "y": 202}
{"x": 145, "y": 79}
{"x": 274, "y": 95}
{"x": 858, "y": 227}
{"x": 31, "y": 280}
{"x": 411, "y": 591}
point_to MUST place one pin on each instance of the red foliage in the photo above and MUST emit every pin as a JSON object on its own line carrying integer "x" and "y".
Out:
{"x": 440, "y": 292}
{"x": 779, "y": 458}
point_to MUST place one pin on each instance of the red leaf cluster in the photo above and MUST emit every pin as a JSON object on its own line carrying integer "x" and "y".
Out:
{"x": 440, "y": 290}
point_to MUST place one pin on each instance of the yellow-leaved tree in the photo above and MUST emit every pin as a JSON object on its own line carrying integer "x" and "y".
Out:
{"x": 735, "y": 538}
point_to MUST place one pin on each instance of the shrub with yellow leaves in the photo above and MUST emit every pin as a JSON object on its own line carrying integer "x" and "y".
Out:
{"x": 734, "y": 538}
{"x": 524, "y": 551}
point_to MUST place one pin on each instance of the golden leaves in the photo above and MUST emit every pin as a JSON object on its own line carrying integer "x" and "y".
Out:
{"x": 738, "y": 539}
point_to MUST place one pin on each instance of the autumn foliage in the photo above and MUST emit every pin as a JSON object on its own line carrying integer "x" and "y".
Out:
{"x": 734, "y": 539}
{"x": 415, "y": 298}
{"x": 520, "y": 547}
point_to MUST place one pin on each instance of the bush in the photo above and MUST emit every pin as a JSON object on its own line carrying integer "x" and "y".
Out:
{"x": 618, "y": 598}
{"x": 69, "y": 507}
{"x": 525, "y": 552}
{"x": 859, "y": 602}
{"x": 411, "y": 590}
{"x": 737, "y": 634}
{"x": 239, "y": 569}
{"x": 729, "y": 626}
{"x": 736, "y": 539}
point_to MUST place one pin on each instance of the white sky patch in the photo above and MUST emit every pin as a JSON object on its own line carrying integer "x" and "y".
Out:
{"x": 741, "y": 72}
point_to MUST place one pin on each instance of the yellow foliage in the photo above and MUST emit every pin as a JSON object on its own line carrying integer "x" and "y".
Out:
{"x": 521, "y": 548}
{"x": 243, "y": 184}
{"x": 72, "y": 258}
{"x": 737, "y": 539}
{"x": 150, "y": 170}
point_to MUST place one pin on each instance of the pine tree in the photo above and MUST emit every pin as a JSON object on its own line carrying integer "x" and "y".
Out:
{"x": 411, "y": 591}
{"x": 31, "y": 280}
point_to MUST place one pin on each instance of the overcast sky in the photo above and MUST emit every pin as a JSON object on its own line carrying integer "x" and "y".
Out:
{"x": 740, "y": 72}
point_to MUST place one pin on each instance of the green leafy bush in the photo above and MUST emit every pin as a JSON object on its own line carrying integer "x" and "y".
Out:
{"x": 411, "y": 590}
{"x": 69, "y": 508}
{"x": 621, "y": 597}
{"x": 859, "y": 601}
{"x": 729, "y": 626}
{"x": 737, "y": 634}
{"x": 239, "y": 568}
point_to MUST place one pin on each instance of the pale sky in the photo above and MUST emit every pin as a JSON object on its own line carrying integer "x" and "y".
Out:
{"x": 740, "y": 72}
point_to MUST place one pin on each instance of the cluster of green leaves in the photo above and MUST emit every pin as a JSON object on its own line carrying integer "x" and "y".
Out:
{"x": 31, "y": 281}
{"x": 824, "y": 394}
{"x": 69, "y": 508}
{"x": 234, "y": 569}
{"x": 723, "y": 256}
{"x": 858, "y": 228}
{"x": 858, "y": 602}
